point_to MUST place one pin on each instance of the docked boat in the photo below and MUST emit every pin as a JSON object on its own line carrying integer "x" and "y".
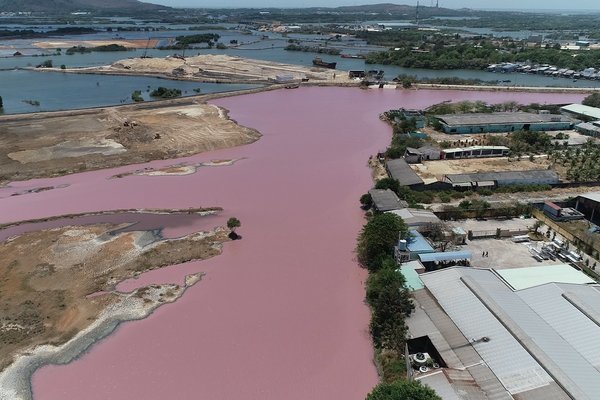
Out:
{"x": 359, "y": 56}
{"x": 318, "y": 62}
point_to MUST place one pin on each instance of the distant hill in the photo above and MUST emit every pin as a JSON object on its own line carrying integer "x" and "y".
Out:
{"x": 400, "y": 9}
{"x": 62, "y": 6}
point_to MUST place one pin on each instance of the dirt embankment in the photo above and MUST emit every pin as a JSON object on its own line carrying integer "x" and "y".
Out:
{"x": 52, "y": 144}
{"x": 49, "y": 275}
{"x": 217, "y": 68}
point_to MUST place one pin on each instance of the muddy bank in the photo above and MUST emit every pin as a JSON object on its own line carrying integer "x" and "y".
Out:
{"x": 140, "y": 220}
{"x": 15, "y": 380}
{"x": 49, "y": 274}
{"x": 53, "y": 144}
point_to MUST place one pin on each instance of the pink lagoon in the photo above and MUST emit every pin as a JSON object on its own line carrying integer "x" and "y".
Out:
{"x": 280, "y": 314}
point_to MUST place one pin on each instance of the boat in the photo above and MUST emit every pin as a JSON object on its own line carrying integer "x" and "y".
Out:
{"x": 318, "y": 62}
{"x": 359, "y": 56}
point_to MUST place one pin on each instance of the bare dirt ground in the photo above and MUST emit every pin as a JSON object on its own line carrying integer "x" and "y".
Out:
{"x": 48, "y": 276}
{"x": 65, "y": 44}
{"x": 437, "y": 169}
{"x": 503, "y": 254}
{"x": 51, "y": 144}
{"x": 216, "y": 68}
{"x": 378, "y": 171}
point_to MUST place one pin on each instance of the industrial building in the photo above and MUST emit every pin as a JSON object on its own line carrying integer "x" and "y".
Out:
{"x": 559, "y": 213}
{"x": 386, "y": 200}
{"x": 417, "y": 219}
{"x": 409, "y": 249}
{"x": 524, "y": 333}
{"x": 502, "y": 122}
{"x": 425, "y": 153}
{"x": 403, "y": 173}
{"x": 589, "y": 128}
{"x": 474, "y": 152}
{"x": 417, "y": 115}
{"x": 589, "y": 205}
{"x": 503, "y": 178}
{"x": 579, "y": 111}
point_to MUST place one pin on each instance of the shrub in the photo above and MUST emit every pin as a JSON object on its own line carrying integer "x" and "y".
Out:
{"x": 165, "y": 93}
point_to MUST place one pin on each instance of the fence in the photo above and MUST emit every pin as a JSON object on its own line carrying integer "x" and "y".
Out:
{"x": 498, "y": 233}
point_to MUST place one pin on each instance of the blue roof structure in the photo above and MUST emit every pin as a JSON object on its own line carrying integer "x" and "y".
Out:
{"x": 416, "y": 243}
{"x": 446, "y": 256}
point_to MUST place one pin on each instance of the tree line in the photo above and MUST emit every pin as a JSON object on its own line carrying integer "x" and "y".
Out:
{"x": 390, "y": 303}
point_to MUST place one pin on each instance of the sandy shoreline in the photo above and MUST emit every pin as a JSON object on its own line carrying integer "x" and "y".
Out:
{"x": 216, "y": 69}
{"x": 15, "y": 381}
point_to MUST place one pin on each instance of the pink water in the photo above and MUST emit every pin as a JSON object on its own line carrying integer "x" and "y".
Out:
{"x": 280, "y": 314}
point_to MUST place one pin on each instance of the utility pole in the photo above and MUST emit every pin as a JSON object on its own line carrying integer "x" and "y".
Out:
{"x": 417, "y": 13}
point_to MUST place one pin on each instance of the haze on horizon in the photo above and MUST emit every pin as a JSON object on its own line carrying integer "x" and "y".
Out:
{"x": 475, "y": 4}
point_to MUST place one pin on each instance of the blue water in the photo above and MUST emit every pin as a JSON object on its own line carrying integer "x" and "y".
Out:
{"x": 59, "y": 91}
{"x": 56, "y": 91}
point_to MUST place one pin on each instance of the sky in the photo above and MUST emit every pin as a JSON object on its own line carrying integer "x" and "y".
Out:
{"x": 478, "y": 4}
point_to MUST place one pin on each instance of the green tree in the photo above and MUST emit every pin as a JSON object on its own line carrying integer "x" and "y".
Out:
{"x": 388, "y": 183}
{"x": 403, "y": 390}
{"x": 593, "y": 100}
{"x": 390, "y": 303}
{"x": 378, "y": 238}
{"x": 366, "y": 201}
{"x": 233, "y": 223}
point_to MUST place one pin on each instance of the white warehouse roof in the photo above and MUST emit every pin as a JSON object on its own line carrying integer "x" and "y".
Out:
{"x": 538, "y": 337}
{"x": 580, "y": 109}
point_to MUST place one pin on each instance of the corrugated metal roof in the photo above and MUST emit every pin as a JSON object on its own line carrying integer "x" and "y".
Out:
{"x": 542, "y": 319}
{"x": 474, "y": 148}
{"x": 540, "y": 174}
{"x": 499, "y": 118}
{"x": 523, "y": 278}
{"x": 456, "y": 351}
{"x": 578, "y": 330}
{"x": 510, "y": 362}
{"x": 416, "y": 243}
{"x": 400, "y": 170}
{"x": 567, "y": 366}
{"x": 446, "y": 256}
{"x": 594, "y": 196}
{"x": 588, "y": 111}
{"x": 415, "y": 217}
{"x": 588, "y": 126}
{"x": 386, "y": 200}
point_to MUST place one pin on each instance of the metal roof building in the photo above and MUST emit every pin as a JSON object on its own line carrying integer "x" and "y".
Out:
{"x": 386, "y": 200}
{"x": 410, "y": 271}
{"x": 416, "y": 218}
{"x": 502, "y": 122}
{"x": 589, "y": 128}
{"x": 541, "y": 342}
{"x": 503, "y": 178}
{"x": 589, "y": 205}
{"x": 401, "y": 171}
{"x": 475, "y": 152}
{"x": 579, "y": 111}
{"x": 523, "y": 278}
